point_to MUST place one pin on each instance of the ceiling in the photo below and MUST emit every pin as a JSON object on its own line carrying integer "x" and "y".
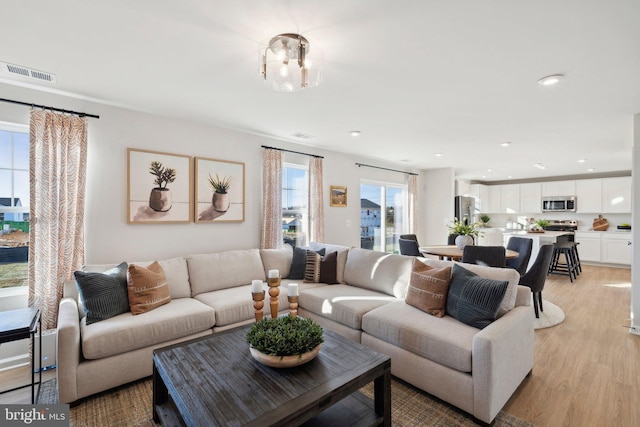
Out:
{"x": 417, "y": 78}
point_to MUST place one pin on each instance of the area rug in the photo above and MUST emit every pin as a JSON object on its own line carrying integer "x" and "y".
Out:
{"x": 551, "y": 316}
{"x": 130, "y": 405}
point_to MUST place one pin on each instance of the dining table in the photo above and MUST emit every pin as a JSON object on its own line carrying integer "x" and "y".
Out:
{"x": 455, "y": 253}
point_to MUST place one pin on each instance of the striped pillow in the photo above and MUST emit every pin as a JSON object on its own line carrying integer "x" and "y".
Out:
{"x": 321, "y": 270}
{"x": 103, "y": 295}
{"x": 473, "y": 299}
{"x": 148, "y": 288}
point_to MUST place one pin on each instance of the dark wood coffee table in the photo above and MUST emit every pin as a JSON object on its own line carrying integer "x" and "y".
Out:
{"x": 214, "y": 381}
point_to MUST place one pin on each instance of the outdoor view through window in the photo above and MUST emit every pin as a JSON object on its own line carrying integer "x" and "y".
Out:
{"x": 383, "y": 216}
{"x": 14, "y": 208}
{"x": 295, "y": 205}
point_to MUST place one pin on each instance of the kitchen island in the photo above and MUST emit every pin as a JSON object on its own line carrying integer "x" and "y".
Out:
{"x": 539, "y": 239}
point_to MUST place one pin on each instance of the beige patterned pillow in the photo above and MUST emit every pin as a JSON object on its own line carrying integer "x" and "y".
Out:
{"x": 428, "y": 288}
{"x": 147, "y": 287}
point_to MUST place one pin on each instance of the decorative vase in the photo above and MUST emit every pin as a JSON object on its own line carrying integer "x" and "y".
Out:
{"x": 160, "y": 199}
{"x": 220, "y": 201}
{"x": 464, "y": 240}
{"x": 285, "y": 361}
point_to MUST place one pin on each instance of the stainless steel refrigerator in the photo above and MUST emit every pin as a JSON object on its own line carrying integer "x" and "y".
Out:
{"x": 465, "y": 208}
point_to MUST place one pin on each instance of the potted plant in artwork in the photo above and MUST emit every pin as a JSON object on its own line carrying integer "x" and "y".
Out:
{"x": 220, "y": 187}
{"x": 285, "y": 341}
{"x": 465, "y": 232}
{"x": 160, "y": 197}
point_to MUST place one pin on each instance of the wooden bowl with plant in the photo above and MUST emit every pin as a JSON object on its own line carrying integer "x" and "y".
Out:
{"x": 285, "y": 341}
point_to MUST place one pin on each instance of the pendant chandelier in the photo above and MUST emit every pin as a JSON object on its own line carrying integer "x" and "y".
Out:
{"x": 287, "y": 66}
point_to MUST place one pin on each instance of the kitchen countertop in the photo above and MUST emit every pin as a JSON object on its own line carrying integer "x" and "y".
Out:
{"x": 545, "y": 234}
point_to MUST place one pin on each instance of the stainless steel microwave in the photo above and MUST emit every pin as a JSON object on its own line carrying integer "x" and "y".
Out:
{"x": 559, "y": 204}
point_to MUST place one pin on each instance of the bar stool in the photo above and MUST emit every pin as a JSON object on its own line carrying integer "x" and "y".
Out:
{"x": 570, "y": 266}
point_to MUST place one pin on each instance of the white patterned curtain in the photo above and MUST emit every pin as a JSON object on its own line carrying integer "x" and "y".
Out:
{"x": 413, "y": 203}
{"x": 57, "y": 172}
{"x": 271, "y": 199}
{"x": 316, "y": 201}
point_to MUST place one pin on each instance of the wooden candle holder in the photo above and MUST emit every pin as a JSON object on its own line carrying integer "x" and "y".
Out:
{"x": 293, "y": 306}
{"x": 258, "y": 303}
{"x": 274, "y": 291}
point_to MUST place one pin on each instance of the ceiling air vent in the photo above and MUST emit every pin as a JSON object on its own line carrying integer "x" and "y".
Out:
{"x": 301, "y": 135}
{"x": 13, "y": 70}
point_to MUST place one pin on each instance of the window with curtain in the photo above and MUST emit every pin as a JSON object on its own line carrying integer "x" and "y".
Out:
{"x": 14, "y": 205}
{"x": 384, "y": 216}
{"x": 295, "y": 204}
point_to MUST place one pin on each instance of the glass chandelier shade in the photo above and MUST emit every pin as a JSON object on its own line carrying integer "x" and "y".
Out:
{"x": 287, "y": 65}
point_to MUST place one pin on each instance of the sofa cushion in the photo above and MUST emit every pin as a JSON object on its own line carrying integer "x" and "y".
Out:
{"x": 428, "y": 288}
{"x": 147, "y": 287}
{"x": 277, "y": 259}
{"x": 212, "y": 272}
{"x": 319, "y": 269}
{"x": 125, "y": 332}
{"x": 103, "y": 295}
{"x": 342, "y": 303}
{"x": 444, "y": 340}
{"x": 378, "y": 271}
{"x": 474, "y": 300}
{"x": 342, "y": 251}
{"x": 509, "y": 274}
{"x": 234, "y": 305}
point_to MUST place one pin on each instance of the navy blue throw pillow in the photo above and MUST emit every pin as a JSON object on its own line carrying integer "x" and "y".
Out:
{"x": 103, "y": 295}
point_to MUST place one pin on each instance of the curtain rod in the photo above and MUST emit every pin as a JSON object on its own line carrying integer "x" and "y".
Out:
{"x": 387, "y": 169}
{"x": 291, "y": 151}
{"x": 28, "y": 104}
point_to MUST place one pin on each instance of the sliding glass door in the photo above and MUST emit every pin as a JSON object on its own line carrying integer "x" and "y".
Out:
{"x": 383, "y": 215}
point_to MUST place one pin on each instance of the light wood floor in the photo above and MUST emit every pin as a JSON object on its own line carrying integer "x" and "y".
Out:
{"x": 586, "y": 370}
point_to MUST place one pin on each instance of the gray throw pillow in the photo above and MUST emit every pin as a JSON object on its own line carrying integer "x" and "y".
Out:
{"x": 473, "y": 299}
{"x": 299, "y": 263}
{"x": 103, "y": 295}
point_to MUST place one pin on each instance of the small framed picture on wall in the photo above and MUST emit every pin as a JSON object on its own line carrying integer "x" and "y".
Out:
{"x": 338, "y": 196}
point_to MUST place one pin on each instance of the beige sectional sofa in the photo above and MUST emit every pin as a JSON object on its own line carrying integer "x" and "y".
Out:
{"x": 474, "y": 369}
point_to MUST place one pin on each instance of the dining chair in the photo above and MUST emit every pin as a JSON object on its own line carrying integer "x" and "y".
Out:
{"x": 536, "y": 276}
{"x": 409, "y": 247}
{"x": 492, "y": 256}
{"x": 523, "y": 246}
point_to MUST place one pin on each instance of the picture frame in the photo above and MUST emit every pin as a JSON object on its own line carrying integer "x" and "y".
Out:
{"x": 338, "y": 196}
{"x": 159, "y": 187}
{"x": 219, "y": 190}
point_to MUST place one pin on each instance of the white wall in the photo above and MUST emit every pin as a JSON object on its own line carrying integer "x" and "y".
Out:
{"x": 436, "y": 190}
{"x": 635, "y": 227}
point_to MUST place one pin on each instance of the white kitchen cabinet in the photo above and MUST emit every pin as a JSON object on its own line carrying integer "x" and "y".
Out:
{"x": 588, "y": 193}
{"x": 559, "y": 188}
{"x": 590, "y": 246}
{"x": 531, "y": 198}
{"x": 616, "y": 195}
{"x": 510, "y": 198}
{"x": 495, "y": 195}
{"x": 482, "y": 197}
{"x": 463, "y": 188}
{"x": 616, "y": 248}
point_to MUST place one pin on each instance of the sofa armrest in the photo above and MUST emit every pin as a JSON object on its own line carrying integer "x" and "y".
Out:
{"x": 523, "y": 297}
{"x": 68, "y": 351}
{"x": 502, "y": 356}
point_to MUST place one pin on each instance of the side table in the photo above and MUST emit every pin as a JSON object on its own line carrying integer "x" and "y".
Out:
{"x": 18, "y": 325}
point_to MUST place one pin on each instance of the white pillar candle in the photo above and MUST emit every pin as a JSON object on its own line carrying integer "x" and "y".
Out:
{"x": 273, "y": 274}
{"x": 292, "y": 290}
{"x": 256, "y": 286}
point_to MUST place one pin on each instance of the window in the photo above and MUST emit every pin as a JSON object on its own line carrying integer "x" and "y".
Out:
{"x": 384, "y": 216}
{"x": 295, "y": 204}
{"x": 14, "y": 205}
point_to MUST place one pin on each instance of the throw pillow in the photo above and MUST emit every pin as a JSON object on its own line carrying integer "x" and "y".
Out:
{"x": 473, "y": 299}
{"x": 321, "y": 270}
{"x": 428, "y": 288}
{"x": 147, "y": 287}
{"x": 103, "y": 295}
{"x": 298, "y": 264}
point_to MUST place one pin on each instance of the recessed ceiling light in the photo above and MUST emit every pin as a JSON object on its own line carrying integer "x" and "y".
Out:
{"x": 590, "y": 170}
{"x": 581, "y": 160}
{"x": 355, "y": 133}
{"x": 550, "y": 80}
{"x": 438, "y": 154}
{"x": 505, "y": 144}
{"x": 539, "y": 166}
{"x": 509, "y": 177}
{"x": 489, "y": 170}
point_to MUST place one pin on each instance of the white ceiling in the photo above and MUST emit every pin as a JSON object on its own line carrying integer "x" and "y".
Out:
{"x": 416, "y": 77}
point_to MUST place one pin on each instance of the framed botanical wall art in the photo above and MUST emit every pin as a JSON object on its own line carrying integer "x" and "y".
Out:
{"x": 219, "y": 190}
{"x": 338, "y": 196}
{"x": 158, "y": 187}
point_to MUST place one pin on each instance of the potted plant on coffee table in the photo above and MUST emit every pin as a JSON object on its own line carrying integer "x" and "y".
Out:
{"x": 285, "y": 341}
